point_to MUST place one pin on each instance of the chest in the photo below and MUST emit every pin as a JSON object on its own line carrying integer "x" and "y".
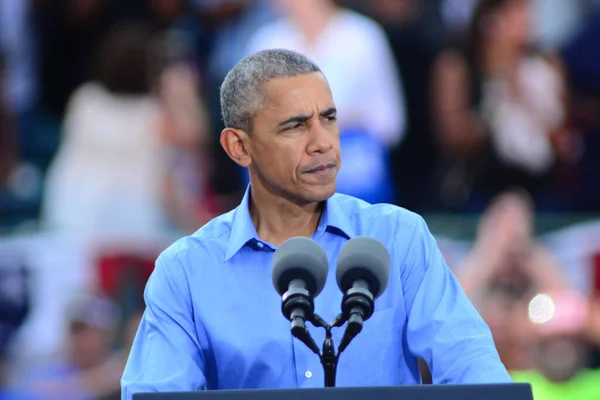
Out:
{"x": 249, "y": 342}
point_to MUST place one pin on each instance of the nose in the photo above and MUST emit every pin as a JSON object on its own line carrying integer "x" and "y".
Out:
{"x": 321, "y": 141}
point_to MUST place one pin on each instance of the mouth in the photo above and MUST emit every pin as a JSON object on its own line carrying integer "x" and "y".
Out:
{"x": 321, "y": 168}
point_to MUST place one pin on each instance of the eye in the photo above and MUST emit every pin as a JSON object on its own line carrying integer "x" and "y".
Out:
{"x": 293, "y": 127}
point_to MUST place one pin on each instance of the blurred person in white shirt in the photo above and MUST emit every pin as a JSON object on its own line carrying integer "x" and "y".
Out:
{"x": 499, "y": 106}
{"x": 129, "y": 143}
{"x": 106, "y": 175}
{"x": 354, "y": 53}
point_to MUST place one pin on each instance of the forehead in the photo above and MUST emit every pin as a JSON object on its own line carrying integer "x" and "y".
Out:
{"x": 299, "y": 94}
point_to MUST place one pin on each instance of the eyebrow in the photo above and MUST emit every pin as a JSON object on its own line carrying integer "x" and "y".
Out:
{"x": 329, "y": 112}
{"x": 296, "y": 119}
{"x": 303, "y": 118}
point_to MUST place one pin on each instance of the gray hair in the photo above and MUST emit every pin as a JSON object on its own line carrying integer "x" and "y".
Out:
{"x": 242, "y": 90}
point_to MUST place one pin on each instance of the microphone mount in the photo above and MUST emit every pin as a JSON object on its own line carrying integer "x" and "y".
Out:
{"x": 298, "y": 306}
{"x": 357, "y": 306}
{"x": 328, "y": 356}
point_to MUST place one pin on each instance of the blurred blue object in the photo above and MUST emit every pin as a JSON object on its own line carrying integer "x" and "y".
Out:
{"x": 12, "y": 395}
{"x": 582, "y": 58}
{"x": 366, "y": 172}
{"x": 14, "y": 300}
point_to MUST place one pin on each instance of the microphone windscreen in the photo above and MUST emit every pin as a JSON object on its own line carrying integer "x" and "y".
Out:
{"x": 300, "y": 258}
{"x": 363, "y": 258}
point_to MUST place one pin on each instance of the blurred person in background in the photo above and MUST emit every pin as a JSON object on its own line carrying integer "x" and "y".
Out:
{"x": 415, "y": 31}
{"x": 106, "y": 175}
{"x": 129, "y": 158}
{"x": 507, "y": 265}
{"x": 498, "y": 106}
{"x": 355, "y": 55}
{"x": 231, "y": 24}
{"x": 186, "y": 130}
{"x": 88, "y": 368}
{"x": 558, "y": 330}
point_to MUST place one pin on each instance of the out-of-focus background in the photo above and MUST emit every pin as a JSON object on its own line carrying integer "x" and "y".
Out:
{"x": 483, "y": 116}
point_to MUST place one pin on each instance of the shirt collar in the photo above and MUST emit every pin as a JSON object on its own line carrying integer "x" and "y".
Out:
{"x": 242, "y": 229}
{"x": 333, "y": 220}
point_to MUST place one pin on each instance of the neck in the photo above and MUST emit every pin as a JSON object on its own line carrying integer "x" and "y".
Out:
{"x": 277, "y": 219}
{"x": 314, "y": 21}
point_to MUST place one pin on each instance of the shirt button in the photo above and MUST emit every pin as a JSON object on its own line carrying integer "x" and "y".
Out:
{"x": 259, "y": 244}
{"x": 308, "y": 374}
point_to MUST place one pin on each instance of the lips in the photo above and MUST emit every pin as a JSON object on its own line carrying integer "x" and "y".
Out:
{"x": 321, "y": 168}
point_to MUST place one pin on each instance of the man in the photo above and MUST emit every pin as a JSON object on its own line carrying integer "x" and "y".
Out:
{"x": 88, "y": 367}
{"x": 213, "y": 319}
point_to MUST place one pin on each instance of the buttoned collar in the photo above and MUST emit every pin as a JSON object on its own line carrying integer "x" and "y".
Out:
{"x": 243, "y": 232}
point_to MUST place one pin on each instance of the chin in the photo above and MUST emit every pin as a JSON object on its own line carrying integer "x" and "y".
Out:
{"x": 318, "y": 193}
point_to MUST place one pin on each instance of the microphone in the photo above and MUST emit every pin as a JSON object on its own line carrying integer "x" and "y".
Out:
{"x": 363, "y": 272}
{"x": 300, "y": 268}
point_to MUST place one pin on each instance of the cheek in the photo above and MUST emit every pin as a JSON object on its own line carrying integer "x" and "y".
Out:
{"x": 279, "y": 161}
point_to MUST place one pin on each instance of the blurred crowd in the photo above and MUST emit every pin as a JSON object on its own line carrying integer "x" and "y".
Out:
{"x": 109, "y": 126}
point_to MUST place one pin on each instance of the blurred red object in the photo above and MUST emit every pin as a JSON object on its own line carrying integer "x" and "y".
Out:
{"x": 122, "y": 272}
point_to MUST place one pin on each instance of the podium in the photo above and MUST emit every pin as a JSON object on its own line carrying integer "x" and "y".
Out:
{"x": 511, "y": 391}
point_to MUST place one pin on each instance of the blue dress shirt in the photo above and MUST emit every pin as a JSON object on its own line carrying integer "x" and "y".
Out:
{"x": 213, "y": 319}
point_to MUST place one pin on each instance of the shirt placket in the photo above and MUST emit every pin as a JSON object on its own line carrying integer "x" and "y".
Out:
{"x": 309, "y": 372}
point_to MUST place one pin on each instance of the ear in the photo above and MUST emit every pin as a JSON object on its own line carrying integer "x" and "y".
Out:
{"x": 235, "y": 142}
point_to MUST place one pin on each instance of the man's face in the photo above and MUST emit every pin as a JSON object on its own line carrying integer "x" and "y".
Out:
{"x": 90, "y": 344}
{"x": 294, "y": 146}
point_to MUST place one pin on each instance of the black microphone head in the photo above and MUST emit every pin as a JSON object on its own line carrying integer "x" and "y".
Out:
{"x": 300, "y": 258}
{"x": 363, "y": 258}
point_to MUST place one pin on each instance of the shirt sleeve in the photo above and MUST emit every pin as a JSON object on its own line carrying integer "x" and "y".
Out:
{"x": 444, "y": 329}
{"x": 166, "y": 354}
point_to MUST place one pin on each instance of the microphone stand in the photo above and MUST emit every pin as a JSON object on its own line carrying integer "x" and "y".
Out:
{"x": 328, "y": 356}
{"x": 298, "y": 307}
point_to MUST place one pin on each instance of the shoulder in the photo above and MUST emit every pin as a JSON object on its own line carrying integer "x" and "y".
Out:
{"x": 89, "y": 90}
{"x": 92, "y": 96}
{"x": 405, "y": 234}
{"x": 87, "y": 93}
{"x": 364, "y": 214}
{"x": 209, "y": 241}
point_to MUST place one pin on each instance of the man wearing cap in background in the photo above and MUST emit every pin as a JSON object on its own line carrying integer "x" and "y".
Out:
{"x": 86, "y": 369}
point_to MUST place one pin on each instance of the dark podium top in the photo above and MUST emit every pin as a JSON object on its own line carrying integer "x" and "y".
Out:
{"x": 512, "y": 391}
